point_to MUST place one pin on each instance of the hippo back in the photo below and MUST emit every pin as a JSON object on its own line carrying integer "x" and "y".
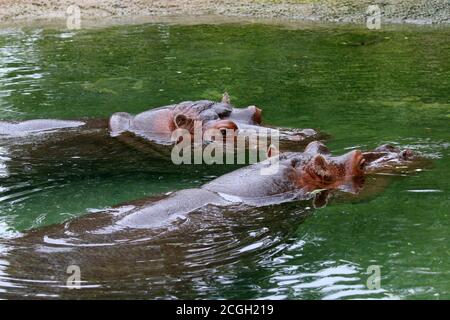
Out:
{"x": 263, "y": 181}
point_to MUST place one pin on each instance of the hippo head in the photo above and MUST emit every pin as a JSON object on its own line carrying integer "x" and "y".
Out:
{"x": 388, "y": 157}
{"x": 251, "y": 115}
{"x": 320, "y": 170}
{"x": 221, "y": 116}
{"x": 194, "y": 117}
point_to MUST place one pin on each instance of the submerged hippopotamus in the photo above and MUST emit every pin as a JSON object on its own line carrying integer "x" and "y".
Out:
{"x": 157, "y": 125}
{"x": 286, "y": 177}
{"x": 42, "y": 146}
{"x": 293, "y": 176}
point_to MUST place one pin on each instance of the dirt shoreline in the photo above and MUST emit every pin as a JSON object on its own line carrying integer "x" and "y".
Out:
{"x": 107, "y": 12}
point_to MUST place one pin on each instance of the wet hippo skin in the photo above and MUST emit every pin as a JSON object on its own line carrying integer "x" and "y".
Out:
{"x": 311, "y": 174}
{"x": 158, "y": 124}
{"x": 295, "y": 176}
{"x": 43, "y": 146}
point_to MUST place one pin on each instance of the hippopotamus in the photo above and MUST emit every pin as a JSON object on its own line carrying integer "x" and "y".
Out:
{"x": 157, "y": 125}
{"x": 43, "y": 146}
{"x": 284, "y": 177}
{"x": 295, "y": 176}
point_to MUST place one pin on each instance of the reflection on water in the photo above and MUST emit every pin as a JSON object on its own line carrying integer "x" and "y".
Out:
{"x": 362, "y": 88}
{"x": 4, "y": 173}
{"x": 176, "y": 262}
{"x": 334, "y": 280}
{"x": 20, "y": 68}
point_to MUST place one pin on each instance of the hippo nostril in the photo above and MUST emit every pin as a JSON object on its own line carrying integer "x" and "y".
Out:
{"x": 406, "y": 154}
{"x": 223, "y": 131}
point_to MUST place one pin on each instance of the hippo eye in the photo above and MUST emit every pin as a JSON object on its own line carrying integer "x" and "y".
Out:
{"x": 294, "y": 162}
{"x": 405, "y": 154}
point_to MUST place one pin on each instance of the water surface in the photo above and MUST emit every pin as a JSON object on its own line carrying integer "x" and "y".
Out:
{"x": 362, "y": 87}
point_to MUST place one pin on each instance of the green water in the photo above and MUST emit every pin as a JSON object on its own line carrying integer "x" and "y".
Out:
{"x": 362, "y": 87}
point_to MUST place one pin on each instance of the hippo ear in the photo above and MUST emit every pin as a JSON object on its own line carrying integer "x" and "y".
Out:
{"x": 272, "y": 151}
{"x": 316, "y": 147}
{"x": 182, "y": 121}
{"x": 320, "y": 166}
{"x": 407, "y": 154}
{"x": 257, "y": 118}
{"x": 226, "y": 98}
{"x": 119, "y": 123}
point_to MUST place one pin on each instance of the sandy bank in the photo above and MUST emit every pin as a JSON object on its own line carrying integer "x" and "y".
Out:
{"x": 353, "y": 11}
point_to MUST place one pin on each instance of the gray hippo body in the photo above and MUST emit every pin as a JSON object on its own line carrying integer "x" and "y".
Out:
{"x": 288, "y": 177}
{"x": 244, "y": 186}
{"x": 36, "y": 126}
{"x": 158, "y": 124}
